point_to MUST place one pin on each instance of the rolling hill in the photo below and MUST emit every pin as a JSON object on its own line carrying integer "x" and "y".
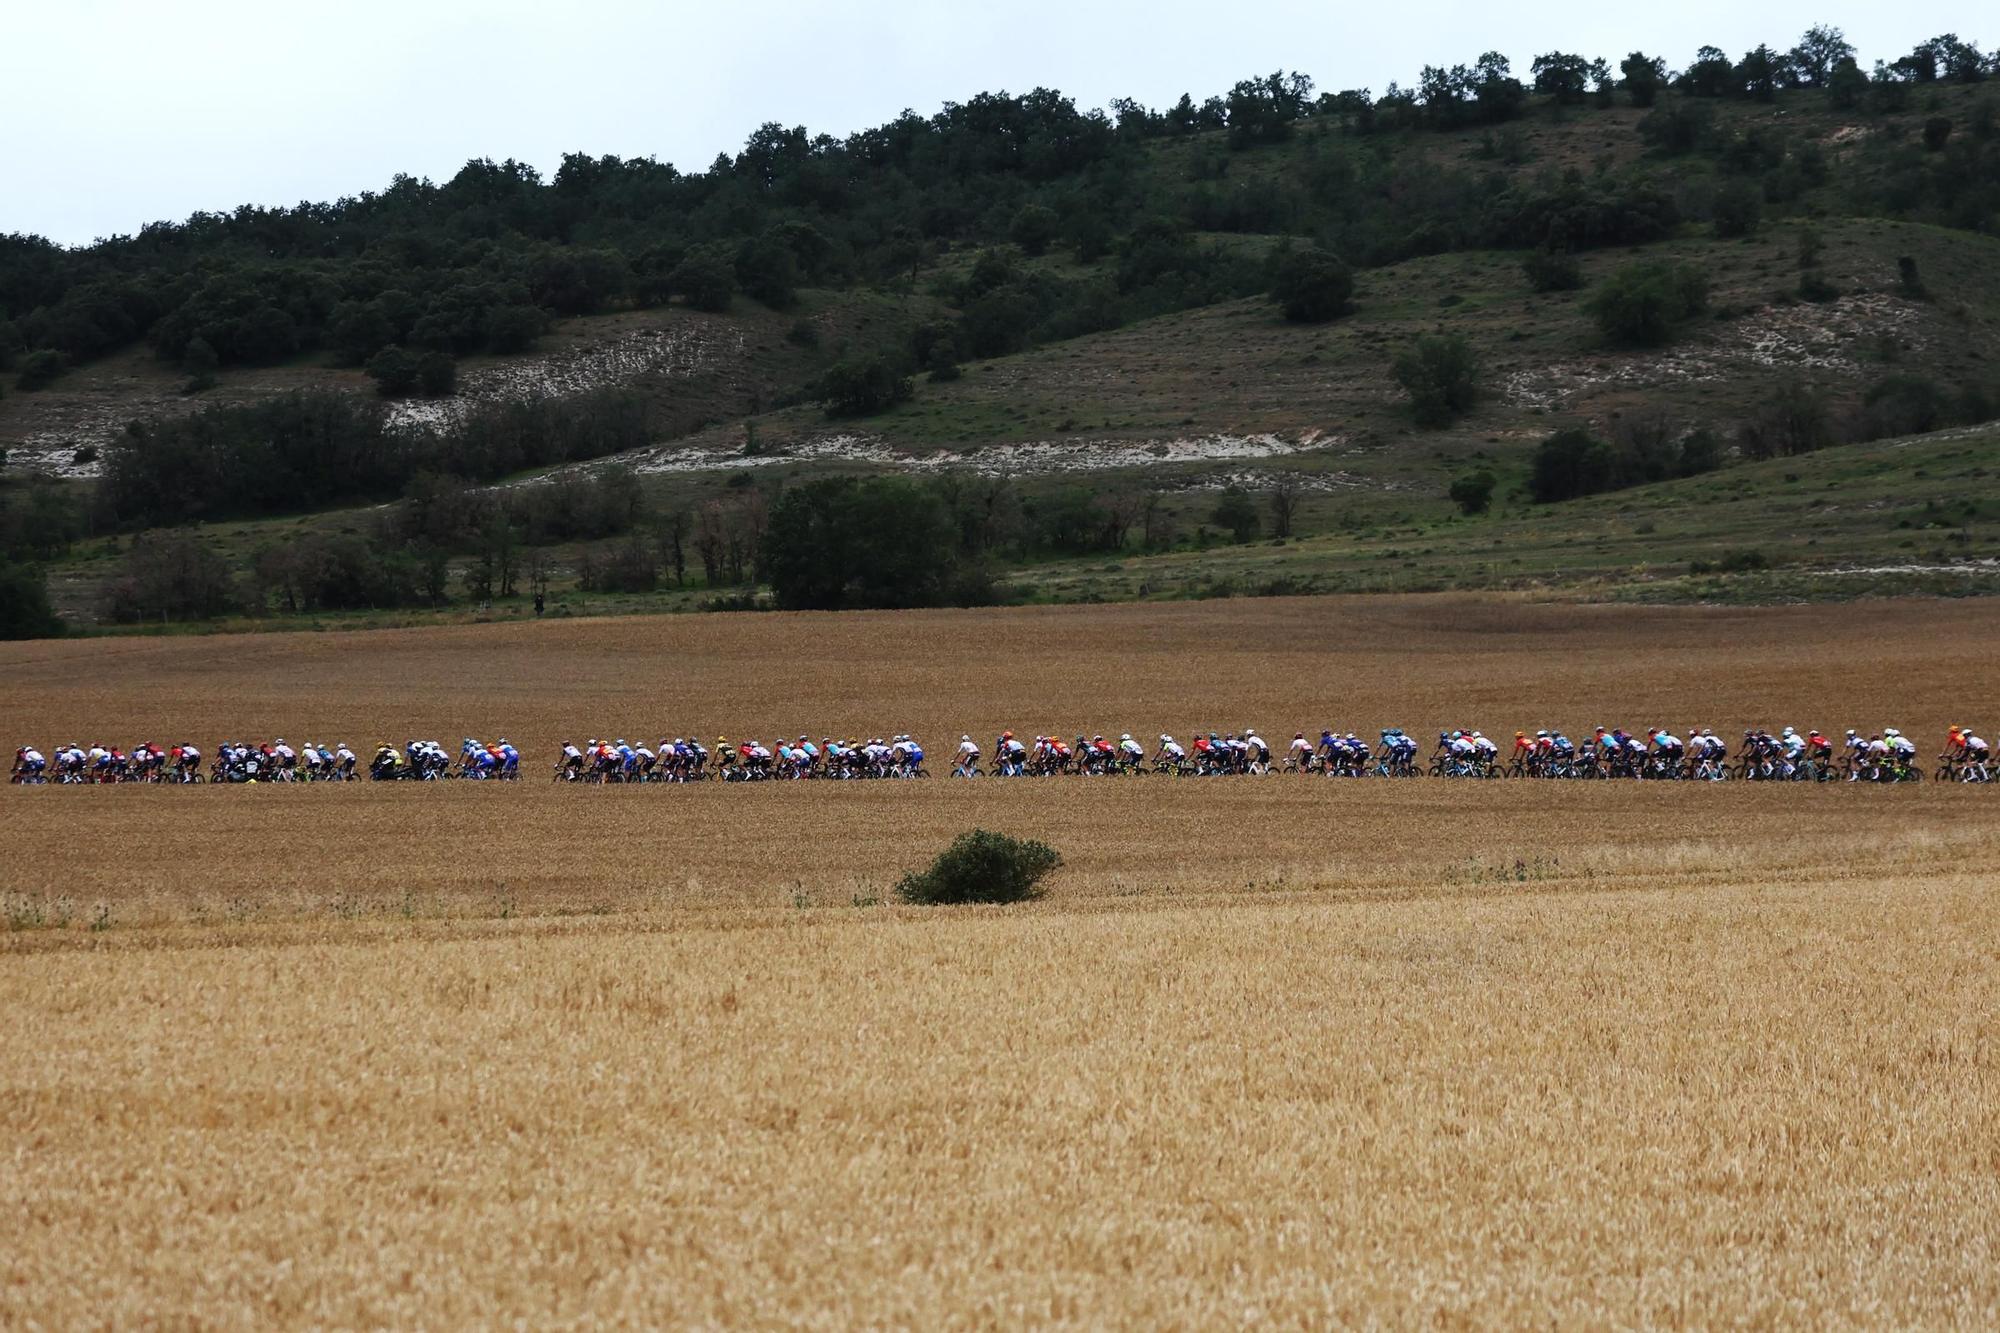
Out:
{"x": 1085, "y": 369}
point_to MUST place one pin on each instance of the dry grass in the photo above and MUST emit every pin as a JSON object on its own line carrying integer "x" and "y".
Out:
{"x": 1275, "y": 1053}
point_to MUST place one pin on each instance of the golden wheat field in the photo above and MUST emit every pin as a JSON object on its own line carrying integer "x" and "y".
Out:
{"x": 1268, "y": 1052}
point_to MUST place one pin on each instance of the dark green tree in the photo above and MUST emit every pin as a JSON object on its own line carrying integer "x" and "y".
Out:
{"x": 1034, "y": 229}
{"x": 1819, "y": 53}
{"x": 1572, "y": 463}
{"x": 1311, "y": 285}
{"x": 862, "y": 387}
{"x": 514, "y": 328}
{"x": 1552, "y": 271}
{"x": 1644, "y": 304}
{"x": 1564, "y": 77}
{"x": 40, "y": 369}
{"x": 1739, "y": 208}
{"x": 1236, "y": 513}
{"x": 846, "y": 542}
{"x": 25, "y": 612}
{"x": 1473, "y": 492}
{"x": 396, "y": 372}
{"x": 1644, "y": 77}
{"x": 1846, "y": 86}
{"x": 1440, "y": 373}
{"x": 706, "y": 278}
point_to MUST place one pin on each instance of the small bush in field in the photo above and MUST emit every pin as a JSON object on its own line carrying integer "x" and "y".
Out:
{"x": 981, "y": 867}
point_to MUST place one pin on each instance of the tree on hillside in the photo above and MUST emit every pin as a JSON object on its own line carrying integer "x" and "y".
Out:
{"x": 1846, "y": 85}
{"x": 1441, "y": 376}
{"x": 1739, "y": 208}
{"x": 24, "y": 604}
{"x": 1473, "y": 492}
{"x": 768, "y": 271}
{"x": 1644, "y": 77}
{"x": 1761, "y": 73}
{"x": 844, "y": 542}
{"x": 396, "y": 372}
{"x": 41, "y": 368}
{"x": 1572, "y": 463}
{"x": 1311, "y": 285}
{"x": 1642, "y": 305}
{"x": 1710, "y": 74}
{"x": 1236, "y": 513}
{"x": 1287, "y": 489}
{"x": 1819, "y": 53}
{"x": 707, "y": 278}
{"x": 1034, "y": 229}
{"x": 863, "y": 387}
{"x": 1561, "y": 76}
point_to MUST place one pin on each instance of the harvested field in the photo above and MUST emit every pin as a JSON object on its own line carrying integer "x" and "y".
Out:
{"x": 1272, "y": 1052}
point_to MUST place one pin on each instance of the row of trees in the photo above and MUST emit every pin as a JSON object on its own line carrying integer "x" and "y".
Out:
{"x": 304, "y": 451}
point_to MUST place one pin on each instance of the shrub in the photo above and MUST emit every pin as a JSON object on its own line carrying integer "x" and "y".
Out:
{"x": 514, "y": 328}
{"x": 1739, "y": 208}
{"x": 859, "y": 388}
{"x": 1701, "y": 452}
{"x": 1441, "y": 376}
{"x": 1034, "y": 229}
{"x": 1792, "y": 418}
{"x": 1902, "y": 404}
{"x": 1311, "y": 285}
{"x": 40, "y": 369}
{"x": 24, "y": 604}
{"x": 1473, "y": 492}
{"x": 1642, "y": 304}
{"x": 1571, "y": 463}
{"x": 1552, "y": 271}
{"x": 707, "y": 277}
{"x": 395, "y": 371}
{"x": 1236, "y": 512}
{"x": 1814, "y": 287}
{"x": 981, "y": 867}
{"x": 1910, "y": 280}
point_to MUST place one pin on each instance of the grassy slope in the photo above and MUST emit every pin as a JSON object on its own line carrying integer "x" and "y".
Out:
{"x": 1376, "y": 517}
{"x": 1884, "y": 517}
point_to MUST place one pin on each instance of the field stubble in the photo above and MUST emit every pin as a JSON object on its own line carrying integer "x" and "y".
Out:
{"x": 1268, "y": 1052}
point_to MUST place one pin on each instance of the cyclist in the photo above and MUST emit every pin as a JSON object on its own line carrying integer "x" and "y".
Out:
{"x": 1975, "y": 753}
{"x": 1901, "y": 748}
{"x": 29, "y": 764}
{"x": 1668, "y": 750}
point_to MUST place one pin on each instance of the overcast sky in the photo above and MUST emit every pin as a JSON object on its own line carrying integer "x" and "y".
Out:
{"x": 120, "y": 112}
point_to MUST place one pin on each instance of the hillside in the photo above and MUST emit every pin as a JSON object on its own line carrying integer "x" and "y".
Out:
{"x": 1092, "y": 334}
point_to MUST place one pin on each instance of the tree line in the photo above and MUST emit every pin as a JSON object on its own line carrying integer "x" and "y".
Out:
{"x": 402, "y": 280}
